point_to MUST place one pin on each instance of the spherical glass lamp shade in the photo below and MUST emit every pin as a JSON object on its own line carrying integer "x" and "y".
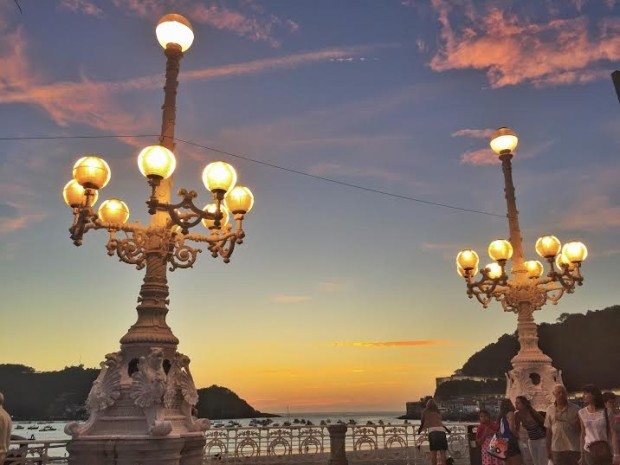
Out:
{"x": 467, "y": 259}
{"x": 174, "y": 29}
{"x": 92, "y": 172}
{"x": 212, "y": 208}
{"x": 503, "y": 140}
{"x": 156, "y": 161}
{"x": 219, "y": 176}
{"x": 463, "y": 274}
{"x": 561, "y": 261}
{"x": 494, "y": 271}
{"x": 74, "y": 195}
{"x": 534, "y": 268}
{"x": 575, "y": 252}
{"x": 113, "y": 211}
{"x": 239, "y": 200}
{"x": 500, "y": 249}
{"x": 548, "y": 246}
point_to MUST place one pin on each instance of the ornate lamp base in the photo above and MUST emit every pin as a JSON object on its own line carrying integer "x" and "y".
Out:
{"x": 534, "y": 379}
{"x": 140, "y": 412}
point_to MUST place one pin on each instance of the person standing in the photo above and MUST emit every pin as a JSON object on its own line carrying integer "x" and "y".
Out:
{"x": 563, "y": 429}
{"x": 484, "y": 433}
{"x": 508, "y": 431}
{"x": 5, "y": 430}
{"x": 533, "y": 422}
{"x": 614, "y": 418}
{"x": 438, "y": 442}
{"x": 596, "y": 446}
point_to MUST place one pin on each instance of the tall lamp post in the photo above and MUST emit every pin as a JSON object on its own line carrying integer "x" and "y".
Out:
{"x": 524, "y": 288}
{"x": 141, "y": 406}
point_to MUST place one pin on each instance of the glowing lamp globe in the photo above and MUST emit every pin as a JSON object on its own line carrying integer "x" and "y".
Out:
{"x": 156, "y": 161}
{"x": 465, "y": 274}
{"x": 561, "y": 261}
{"x": 494, "y": 271}
{"x": 534, "y": 268}
{"x": 575, "y": 252}
{"x": 500, "y": 250}
{"x": 239, "y": 200}
{"x": 467, "y": 259}
{"x": 174, "y": 29}
{"x": 503, "y": 140}
{"x": 113, "y": 211}
{"x": 548, "y": 246}
{"x": 75, "y": 195}
{"x": 219, "y": 176}
{"x": 91, "y": 172}
{"x": 212, "y": 208}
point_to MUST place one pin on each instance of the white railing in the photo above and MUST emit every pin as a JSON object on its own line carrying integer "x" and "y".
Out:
{"x": 311, "y": 444}
{"x": 299, "y": 444}
{"x": 32, "y": 452}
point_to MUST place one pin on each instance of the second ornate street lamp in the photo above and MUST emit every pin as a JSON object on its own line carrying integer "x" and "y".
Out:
{"x": 141, "y": 406}
{"x": 524, "y": 288}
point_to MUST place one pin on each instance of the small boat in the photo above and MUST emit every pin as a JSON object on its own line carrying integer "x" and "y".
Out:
{"x": 33, "y": 427}
{"x": 19, "y": 427}
{"x": 48, "y": 428}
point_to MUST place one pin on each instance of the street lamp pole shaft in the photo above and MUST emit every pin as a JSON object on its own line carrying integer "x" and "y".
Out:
{"x": 173, "y": 63}
{"x": 513, "y": 214}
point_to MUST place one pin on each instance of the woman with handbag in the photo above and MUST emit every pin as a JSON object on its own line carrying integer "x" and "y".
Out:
{"x": 505, "y": 445}
{"x": 595, "y": 429}
{"x": 534, "y": 423}
{"x": 485, "y": 431}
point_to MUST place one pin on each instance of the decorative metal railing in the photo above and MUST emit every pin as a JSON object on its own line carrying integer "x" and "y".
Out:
{"x": 32, "y": 452}
{"x": 311, "y": 444}
{"x": 388, "y": 444}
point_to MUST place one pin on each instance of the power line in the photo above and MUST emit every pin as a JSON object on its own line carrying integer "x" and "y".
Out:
{"x": 268, "y": 164}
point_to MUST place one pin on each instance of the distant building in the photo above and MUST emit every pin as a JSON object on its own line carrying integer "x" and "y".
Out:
{"x": 459, "y": 376}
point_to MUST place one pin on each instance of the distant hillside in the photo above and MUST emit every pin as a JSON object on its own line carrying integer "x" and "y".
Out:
{"x": 60, "y": 395}
{"x": 586, "y": 347}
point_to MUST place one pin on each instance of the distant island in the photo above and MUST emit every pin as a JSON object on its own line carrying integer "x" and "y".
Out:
{"x": 60, "y": 395}
{"x": 585, "y": 347}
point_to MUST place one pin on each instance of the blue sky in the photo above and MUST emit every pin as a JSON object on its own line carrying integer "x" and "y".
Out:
{"x": 391, "y": 95}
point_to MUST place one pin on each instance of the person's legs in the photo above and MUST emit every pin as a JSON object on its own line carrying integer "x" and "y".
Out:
{"x": 538, "y": 449}
{"x": 433, "y": 457}
{"x": 442, "y": 457}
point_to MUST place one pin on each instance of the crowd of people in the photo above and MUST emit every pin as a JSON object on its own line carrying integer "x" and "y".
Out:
{"x": 563, "y": 435}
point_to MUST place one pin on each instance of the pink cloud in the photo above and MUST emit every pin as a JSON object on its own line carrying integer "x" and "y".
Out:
{"x": 474, "y": 133}
{"x": 480, "y": 157}
{"x": 254, "y": 24}
{"x": 97, "y": 103}
{"x": 85, "y": 7}
{"x": 594, "y": 212}
{"x": 514, "y": 50}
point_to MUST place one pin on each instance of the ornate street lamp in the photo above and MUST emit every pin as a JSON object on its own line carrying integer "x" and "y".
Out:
{"x": 524, "y": 288}
{"x": 141, "y": 406}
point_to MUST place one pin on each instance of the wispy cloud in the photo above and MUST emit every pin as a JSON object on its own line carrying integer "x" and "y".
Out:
{"x": 386, "y": 344}
{"x": 249, "y": 21}
{"x": 288, "y": 298}
{"x": 14, "y": 217}
{"x": 98, "y": 104}
{"x": 593, "y": 212}
{"x": 85, "y": 7}
{"x": 514, "y": 49}
{"x": 473, "y": 133}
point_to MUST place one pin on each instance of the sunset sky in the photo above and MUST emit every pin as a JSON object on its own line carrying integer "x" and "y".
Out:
{"x": 339, "y": 299}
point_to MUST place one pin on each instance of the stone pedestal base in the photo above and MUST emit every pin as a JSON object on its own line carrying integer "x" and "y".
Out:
{"x": 147, "y": 451}
{"x": 535, "y": 380}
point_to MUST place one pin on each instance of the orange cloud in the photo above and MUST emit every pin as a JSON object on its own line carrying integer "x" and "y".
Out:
{"x": 513, "y": 50}
{"x": 384, "y": 344}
